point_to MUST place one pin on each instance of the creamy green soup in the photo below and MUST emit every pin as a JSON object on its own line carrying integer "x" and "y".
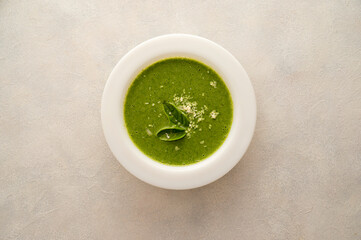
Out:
{"x": 178, "y": 111}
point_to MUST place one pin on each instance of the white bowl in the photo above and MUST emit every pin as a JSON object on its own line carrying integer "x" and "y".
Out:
{"x": 211, "y": 168}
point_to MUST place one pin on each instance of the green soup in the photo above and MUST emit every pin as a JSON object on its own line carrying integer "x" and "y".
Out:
{"x": 194, "y": 89}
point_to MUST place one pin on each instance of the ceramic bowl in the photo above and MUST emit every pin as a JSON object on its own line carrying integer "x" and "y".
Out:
{"x": 207, "y": 170}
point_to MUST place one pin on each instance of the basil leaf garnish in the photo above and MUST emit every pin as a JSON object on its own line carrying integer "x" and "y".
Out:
{"x": 175, "y": 115}
{"x": 171, "y": 133}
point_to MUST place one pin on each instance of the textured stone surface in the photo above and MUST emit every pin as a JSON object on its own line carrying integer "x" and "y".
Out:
{"x": 300, "y": 179}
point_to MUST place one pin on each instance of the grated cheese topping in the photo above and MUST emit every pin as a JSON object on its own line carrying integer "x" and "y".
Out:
{"x": 214, "y": 114}
{"x": 184, "y": 102}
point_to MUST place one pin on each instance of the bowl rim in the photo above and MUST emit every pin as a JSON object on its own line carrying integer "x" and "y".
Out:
{"x": 226, "y": 156}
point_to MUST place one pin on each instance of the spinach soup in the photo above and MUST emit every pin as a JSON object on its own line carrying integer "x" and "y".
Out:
{"x": 178, "y": 111}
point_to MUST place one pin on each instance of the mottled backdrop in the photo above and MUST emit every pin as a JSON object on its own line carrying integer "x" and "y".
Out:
{"x": 300, "y": 178}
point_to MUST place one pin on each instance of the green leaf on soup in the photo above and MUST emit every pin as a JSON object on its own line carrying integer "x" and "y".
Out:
{"x": 175, "y": 115}
{"x": 169, "y": 134}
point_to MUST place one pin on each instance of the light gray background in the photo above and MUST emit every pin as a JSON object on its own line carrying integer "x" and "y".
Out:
{"x": 300, "y": 178}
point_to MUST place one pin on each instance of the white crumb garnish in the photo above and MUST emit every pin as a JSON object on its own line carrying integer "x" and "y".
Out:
{"x": 187, "y": 109}
{"x": 194, "y": 112}
{"x": 210, "y": 126}
{"x": 149, "y": 133}
{"x": 214, "y": 114}
{"x": 150, "y": 125}
{"x": 176, "y": 148}
{"x": 153, "y": 104}
{"x": 201, "y": 142}
{"x": 213, "y": 84}
{"x": 146, "y": 103}
{"x": 161, "y": 86}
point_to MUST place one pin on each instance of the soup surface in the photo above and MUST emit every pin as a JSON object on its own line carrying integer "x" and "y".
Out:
{"x": 178, "y": 111}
